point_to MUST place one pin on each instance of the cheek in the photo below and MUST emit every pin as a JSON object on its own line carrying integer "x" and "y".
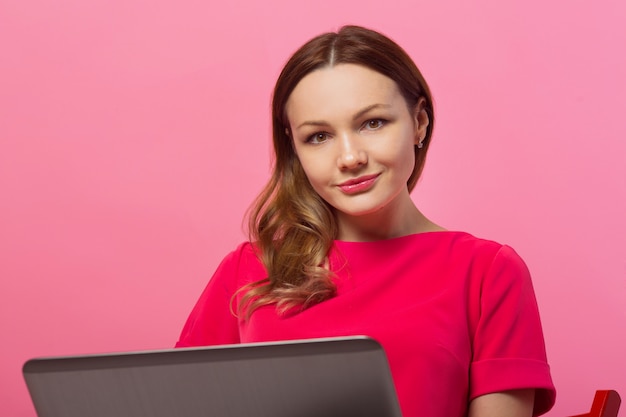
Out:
{"x": 399, "y": 155}
{"x": 312, "y": 169}
{"x": 409, "y": 158}
{"x": 403, "y": 163}
{"x": 315, "y": 176}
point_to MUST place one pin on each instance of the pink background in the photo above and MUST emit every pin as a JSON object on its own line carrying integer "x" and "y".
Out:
{"x": 134, "y": 134}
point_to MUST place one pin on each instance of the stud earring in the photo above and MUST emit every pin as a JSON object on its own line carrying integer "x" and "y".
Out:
{"x": 420, "y": 144}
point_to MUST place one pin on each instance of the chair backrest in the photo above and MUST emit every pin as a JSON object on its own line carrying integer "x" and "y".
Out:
{"x": 605, "y": 404}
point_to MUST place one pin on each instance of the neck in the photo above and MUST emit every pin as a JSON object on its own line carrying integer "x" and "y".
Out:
{"x": 387, "y": 223}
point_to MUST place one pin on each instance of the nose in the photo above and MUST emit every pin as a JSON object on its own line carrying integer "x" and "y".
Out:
{"x": 351, "y": 152}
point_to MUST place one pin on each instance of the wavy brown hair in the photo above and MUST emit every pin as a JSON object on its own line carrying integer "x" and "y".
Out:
{"x": 292, "y": 226}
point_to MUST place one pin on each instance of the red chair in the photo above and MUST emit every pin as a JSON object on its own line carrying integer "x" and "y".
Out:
{"x": 605, "y": 404}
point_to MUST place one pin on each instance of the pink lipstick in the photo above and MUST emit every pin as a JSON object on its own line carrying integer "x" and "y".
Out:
{"x": 358, "y": 185}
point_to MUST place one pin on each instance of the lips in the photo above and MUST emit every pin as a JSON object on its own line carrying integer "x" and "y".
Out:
{"x": 358, "y": 185}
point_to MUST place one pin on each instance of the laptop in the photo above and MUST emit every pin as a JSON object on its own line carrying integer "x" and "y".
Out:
{"x": 331, "y": 377}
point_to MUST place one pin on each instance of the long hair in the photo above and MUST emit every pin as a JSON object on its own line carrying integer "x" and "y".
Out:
{"x": 292, "y": 226}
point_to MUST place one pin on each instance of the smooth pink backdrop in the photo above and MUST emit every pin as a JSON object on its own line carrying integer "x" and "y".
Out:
{"x": 134, "y": 134}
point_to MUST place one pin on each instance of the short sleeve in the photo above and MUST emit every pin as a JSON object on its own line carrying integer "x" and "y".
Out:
{"x": 212, "y": 321}
{"x": 508, "y": 345}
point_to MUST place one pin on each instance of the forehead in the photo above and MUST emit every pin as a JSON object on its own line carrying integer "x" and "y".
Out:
{"x": 341, "y": 89}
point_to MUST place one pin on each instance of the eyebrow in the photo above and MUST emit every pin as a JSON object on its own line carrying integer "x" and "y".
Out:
{"x": 356, "y": 116}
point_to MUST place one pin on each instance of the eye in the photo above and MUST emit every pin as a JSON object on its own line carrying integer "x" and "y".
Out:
{"x": 374, "y": 124}
{"x": 318, "y": 137}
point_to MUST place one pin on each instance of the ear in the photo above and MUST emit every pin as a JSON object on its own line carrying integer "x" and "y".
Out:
{"x": 421, "y": 120}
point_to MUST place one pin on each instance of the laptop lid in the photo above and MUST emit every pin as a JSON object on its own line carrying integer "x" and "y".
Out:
{"x": 334, "y": 377}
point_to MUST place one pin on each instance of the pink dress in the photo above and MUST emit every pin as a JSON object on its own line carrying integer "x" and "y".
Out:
{"x": 456, "y": 315}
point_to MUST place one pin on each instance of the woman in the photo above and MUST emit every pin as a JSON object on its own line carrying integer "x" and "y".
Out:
{"x": 339, "y": 248}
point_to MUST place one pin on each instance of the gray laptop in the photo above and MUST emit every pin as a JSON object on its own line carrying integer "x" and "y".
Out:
{"x": 335, "y": 377}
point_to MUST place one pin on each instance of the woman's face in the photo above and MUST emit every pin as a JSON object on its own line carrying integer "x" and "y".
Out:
{"x": 354, "y": 136}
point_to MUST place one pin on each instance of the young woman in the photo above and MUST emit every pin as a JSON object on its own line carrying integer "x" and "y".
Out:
{"x": 339, "y": 248}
